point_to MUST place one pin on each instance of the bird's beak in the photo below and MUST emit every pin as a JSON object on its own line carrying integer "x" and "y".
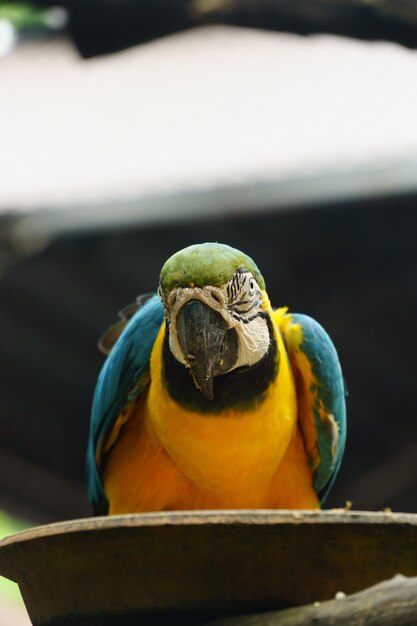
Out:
{"x": 209, "y": 347}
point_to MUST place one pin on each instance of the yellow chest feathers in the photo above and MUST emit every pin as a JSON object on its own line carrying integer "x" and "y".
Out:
{"x": 233, "y": 447}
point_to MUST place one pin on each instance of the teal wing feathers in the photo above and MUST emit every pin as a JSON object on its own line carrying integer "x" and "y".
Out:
{"x": 321, "y": 400}
{"x": 126, "y": 367}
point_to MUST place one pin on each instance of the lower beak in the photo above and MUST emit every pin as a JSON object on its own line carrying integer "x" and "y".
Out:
{"x": 209, "y": 347}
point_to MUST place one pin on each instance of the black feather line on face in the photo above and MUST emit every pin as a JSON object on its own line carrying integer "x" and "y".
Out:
{"x": 240, "y": 388}
{"x": 236, "y": 283}
{"x": 245, "y": 311}
{"x": 246, "y": 320}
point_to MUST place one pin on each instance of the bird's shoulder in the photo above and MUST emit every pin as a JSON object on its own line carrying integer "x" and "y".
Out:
{"x": 124, "y": 376}
{"x": 320, "y": 393}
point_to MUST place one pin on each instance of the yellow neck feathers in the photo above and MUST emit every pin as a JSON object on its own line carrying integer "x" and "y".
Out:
{"x": 234, "y": 449}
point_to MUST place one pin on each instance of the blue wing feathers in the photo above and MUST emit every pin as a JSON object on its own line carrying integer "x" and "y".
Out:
{"x": 127, "y": 362}
{"x": 330, "y": 394}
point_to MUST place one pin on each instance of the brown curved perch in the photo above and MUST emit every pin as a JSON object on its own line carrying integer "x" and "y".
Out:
{"x": 137, "y": 567}
{"x": 390, "y": 603}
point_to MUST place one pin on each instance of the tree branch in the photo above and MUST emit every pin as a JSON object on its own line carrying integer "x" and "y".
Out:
{"x": 390, "y": 603}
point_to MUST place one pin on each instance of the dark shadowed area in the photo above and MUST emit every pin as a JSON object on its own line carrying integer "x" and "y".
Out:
{"x": 353, "y": 267}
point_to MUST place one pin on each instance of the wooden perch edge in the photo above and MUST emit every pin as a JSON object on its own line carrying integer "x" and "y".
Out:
{"x": 390, "y": 603}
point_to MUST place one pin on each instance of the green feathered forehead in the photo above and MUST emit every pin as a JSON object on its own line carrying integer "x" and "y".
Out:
{"x": 206, "y": 264}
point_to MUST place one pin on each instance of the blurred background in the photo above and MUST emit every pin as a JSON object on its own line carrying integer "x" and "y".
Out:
{"x": 130, "y": 129}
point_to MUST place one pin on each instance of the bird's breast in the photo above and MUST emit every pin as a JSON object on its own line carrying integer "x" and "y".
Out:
{"x": 230, "y": 450}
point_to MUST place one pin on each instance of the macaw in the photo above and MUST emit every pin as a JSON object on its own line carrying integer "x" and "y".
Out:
{"x": 210, "y": 399}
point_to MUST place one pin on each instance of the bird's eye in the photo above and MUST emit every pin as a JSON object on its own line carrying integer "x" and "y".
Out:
{"x": 251, "y": 285}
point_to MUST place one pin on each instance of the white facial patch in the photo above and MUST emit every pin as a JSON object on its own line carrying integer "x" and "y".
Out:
{"x": 240, "y": 305}
{"x": 254, "y": 341}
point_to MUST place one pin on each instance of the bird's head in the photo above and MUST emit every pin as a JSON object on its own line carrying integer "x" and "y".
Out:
{"x": 216, "y": 310}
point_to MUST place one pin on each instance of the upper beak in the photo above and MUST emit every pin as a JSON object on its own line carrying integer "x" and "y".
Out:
{"x": 209, "y": 347}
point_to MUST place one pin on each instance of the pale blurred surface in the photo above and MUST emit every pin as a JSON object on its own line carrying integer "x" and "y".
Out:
{"x": 209, "y": 107}
{"x": 13, "y": 615}
{"x": 12, "y": 611}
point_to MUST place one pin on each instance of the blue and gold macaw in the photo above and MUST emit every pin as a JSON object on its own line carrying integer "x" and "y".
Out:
{"x": 210, "y": 399}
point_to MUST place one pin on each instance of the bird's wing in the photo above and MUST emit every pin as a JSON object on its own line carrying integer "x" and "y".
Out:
{"x": 124, "y": 376}
{"x": 320, "y": 394}
{"x": 112, "y": 334}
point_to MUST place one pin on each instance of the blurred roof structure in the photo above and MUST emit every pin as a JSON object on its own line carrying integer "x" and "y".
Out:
{"x": 214, "y": 119}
